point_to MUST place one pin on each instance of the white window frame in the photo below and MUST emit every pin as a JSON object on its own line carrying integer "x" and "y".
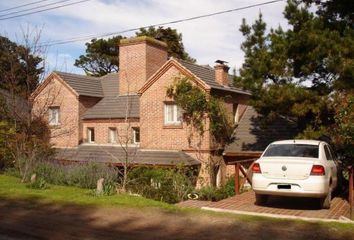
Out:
{"x": 237, "y": 113}
{"x": 176, "y": 114}
{"x": 90, "y": 130}
{"x": 112, "y": 131}
{"x": 53, "y": 121}
{"x": 135, "y": 134}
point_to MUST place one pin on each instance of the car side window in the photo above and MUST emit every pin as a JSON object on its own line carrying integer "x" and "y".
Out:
{"x": 327, "y": 153}
{"x": 333, "y": 153}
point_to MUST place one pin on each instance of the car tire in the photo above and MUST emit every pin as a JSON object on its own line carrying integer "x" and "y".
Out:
{"x": 325, "y": 202}
{"x": 261, "y": 199}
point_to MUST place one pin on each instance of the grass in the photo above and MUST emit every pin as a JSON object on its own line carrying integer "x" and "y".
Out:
{"x": 12, "y": 188}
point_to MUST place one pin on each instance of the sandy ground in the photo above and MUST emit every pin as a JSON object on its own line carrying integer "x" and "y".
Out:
{"x": 31, "y": 220}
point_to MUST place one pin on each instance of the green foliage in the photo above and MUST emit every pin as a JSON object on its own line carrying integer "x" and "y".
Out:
{"x": 343, "y": 129}
{"x": 167, "y": 185}
{"x": 11, "y": 188}
{"x": 171, "y": 37}
{"x": 101, "y": 57}
{"x": 210, "y": 193}
{"x": 81, "y": 175}
{"x": 337, "y": 14}
{"x": 6, "y": 131}
{"x": 295, "y": 73}
{"x": 198, "y": 107}
{"x": 19, "y": 68}
{"x": 39, "y": 183}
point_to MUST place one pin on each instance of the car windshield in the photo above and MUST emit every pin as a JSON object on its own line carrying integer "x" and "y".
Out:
{"x": 292, "y": 150}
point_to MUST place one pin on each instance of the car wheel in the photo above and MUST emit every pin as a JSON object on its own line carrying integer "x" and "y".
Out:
{"x": 261, "y": 199}
{"x": 326, "y": 201}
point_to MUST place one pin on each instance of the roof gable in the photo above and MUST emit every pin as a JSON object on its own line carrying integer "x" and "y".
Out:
{"x": 49, "y": 79}
{"x": 207, "y": 75}
{"x": 173, "y": 63}
{"x": 204, "y": 76}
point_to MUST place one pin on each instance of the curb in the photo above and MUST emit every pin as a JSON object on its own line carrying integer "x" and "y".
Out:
{"x": 341, "y": 220}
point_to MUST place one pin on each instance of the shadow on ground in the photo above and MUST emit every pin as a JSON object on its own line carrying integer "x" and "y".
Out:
{"x": 32, "y": 219}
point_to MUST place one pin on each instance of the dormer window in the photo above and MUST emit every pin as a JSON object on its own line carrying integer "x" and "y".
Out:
{"x": 173, "y": 114}
{"x": 53, "y": 116}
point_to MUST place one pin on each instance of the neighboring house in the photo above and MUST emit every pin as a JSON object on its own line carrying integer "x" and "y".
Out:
{"x": 94, "y": 119}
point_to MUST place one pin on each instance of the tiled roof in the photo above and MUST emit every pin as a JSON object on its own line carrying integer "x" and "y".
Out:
{"x": 116, "y": 154}
{"x": 207, "y": 75}
{"x": 114, "y": 107}
{"x": 110, "y": 84}
{"x": 83, "y": 85}
{"x": 253, "y": 135}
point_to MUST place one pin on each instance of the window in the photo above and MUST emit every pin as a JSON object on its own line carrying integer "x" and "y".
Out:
{"x": 90, "y": 135}
{"x": 292, "y": 150}
{"x": 236, "y": 113}
{"x": 173, "y": 114}
{"x": 53, "y": 116}
{"x": 136, "y": 135}
{"x": 327, "y": 153}
{"x": 112, "y": 135}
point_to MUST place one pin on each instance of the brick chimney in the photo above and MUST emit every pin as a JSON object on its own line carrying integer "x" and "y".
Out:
{"x": 139, "y": 59}
{"x": 222, "y": 73}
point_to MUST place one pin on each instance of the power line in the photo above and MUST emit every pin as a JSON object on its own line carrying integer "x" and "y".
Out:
{"x": 36, "y": 7}
{"x": 43, "y": 10}
{"x": 87, "y": 37}
{"x": 24, "y": 5}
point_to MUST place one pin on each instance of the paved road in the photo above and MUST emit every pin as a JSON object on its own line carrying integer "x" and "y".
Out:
{"x": 30, "y": 220}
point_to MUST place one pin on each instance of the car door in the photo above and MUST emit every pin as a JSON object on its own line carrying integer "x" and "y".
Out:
{"x": 331, "y": 164}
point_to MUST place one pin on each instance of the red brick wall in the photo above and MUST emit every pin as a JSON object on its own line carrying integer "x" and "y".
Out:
{"x": 124, "y": 130}
{"x": 84, "y": 104}
{"x": 139, "y": 58}
{"x": 154, "y": 134}
{"x": 221, "y": 74}
{"x": 56, "y": 94}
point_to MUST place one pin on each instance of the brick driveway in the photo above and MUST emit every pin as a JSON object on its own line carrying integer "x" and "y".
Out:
{"x": 299, "y": 207}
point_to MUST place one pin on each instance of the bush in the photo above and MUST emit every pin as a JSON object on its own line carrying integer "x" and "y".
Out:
{"x": 167, "y": 185}
{"x": 209, "y": 193}
{"x": 80, "y": 175}
{"x": 39, "y": 183}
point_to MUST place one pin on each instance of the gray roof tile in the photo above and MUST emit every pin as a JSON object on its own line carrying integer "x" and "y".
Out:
{"x": 207, "y": 75}
{"x": 110, "y": 84}
{"x": 114, "y": 107}
{"x": 252, "y": 135}
{"x": 83, "y": 85}
{"x": 115, "y": 154}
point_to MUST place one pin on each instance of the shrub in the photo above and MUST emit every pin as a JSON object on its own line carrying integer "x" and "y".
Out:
{"x": 39, "y": 183}
{"x": 168, "y": 185}
{"x": 80, "y": 175}
{"x": 210, "y": 193}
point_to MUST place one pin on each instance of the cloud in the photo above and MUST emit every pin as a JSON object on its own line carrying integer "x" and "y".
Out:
{"x": 206, "y": 39}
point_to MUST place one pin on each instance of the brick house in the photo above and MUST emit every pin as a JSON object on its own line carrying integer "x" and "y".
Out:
{"x": 90, "y": 117}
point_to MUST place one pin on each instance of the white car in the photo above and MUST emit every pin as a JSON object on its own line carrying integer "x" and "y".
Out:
{"x": 303, "y": 168}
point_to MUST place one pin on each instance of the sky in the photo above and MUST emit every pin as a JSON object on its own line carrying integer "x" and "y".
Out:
{"x": 206, "y": 39}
